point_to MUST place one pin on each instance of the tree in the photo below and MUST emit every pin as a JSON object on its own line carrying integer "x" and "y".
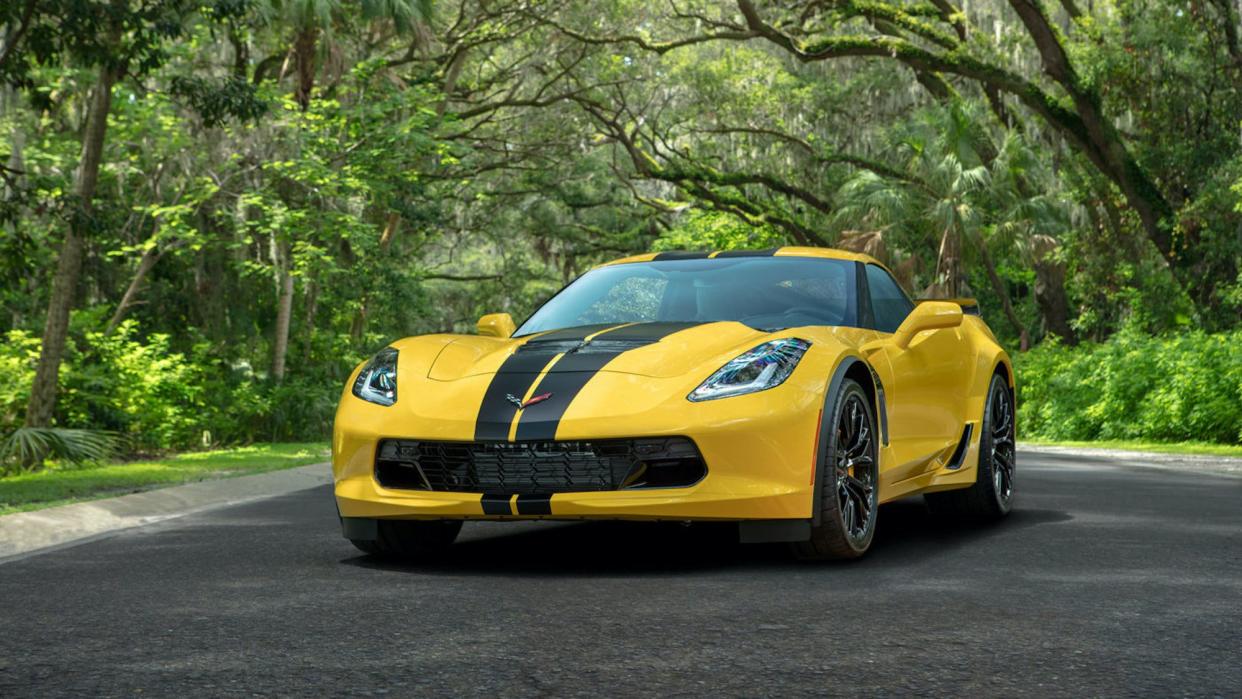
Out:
{"x": 966, "y": 202}
{"x": 119, "y": 40}
{"x": 1065, "y": 98}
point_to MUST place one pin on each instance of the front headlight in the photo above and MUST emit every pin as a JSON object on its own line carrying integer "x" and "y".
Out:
{"x": 764, "y": 367}
{"x": 377, "y": 382}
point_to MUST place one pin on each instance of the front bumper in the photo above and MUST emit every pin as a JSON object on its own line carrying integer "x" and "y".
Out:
{"x": 759, "y": 451}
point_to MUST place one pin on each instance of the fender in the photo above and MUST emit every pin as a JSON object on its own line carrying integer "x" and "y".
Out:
{"x": 825, "y": 430}
{"x": 767, "y": 531}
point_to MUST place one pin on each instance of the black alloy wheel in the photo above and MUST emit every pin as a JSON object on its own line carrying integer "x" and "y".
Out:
{"x": 849, "y": 481}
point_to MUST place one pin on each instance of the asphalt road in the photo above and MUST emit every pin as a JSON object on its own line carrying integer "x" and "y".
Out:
{"x": 1105, "y": 581}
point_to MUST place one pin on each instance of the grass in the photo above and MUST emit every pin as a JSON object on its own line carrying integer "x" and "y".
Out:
{"x": 66, "y": 484}
{"x": 1202, "y": 448}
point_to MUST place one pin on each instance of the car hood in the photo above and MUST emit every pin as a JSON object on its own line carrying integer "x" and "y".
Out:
{"x": 644, "y": 349}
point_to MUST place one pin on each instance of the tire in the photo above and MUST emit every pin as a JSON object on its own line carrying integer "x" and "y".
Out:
{"x": 991, "y": 496}
{"x": 848, "y": 478}
{"x": 410, "y": 539}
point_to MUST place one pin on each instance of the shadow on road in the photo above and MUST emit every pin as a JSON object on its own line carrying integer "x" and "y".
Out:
{"x": 906, "y": 532}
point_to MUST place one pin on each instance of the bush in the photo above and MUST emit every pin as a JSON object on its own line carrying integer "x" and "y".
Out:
{"x": 1186, "y": 387}
{"x": 140, "y": 389}
{"x": 155, "y": 399}
{"x": 18, "y": 354}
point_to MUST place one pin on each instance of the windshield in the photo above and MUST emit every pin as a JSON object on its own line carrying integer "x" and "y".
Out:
{"x": 768, "y": 293}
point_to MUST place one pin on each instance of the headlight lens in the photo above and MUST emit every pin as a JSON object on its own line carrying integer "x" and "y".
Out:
{"x": 764, "y": 367}
{"x": 377, "y": 382}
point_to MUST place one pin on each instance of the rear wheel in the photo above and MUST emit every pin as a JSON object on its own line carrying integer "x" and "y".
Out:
{"x": 848, "y": 481}
{"x": 410, "y": 538}
{"x": 991, "y": 496}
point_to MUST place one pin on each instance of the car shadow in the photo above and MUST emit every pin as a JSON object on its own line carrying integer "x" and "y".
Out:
{"x": 906, "y": 532}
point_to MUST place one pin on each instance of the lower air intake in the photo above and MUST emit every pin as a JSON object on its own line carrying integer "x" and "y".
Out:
{"x": 539, "y": 467}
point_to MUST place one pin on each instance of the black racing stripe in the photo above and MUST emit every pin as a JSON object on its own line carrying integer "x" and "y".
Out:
{"x": 496, "y": 504}
{"x": 647, "y": 331}
{"x": 679, "y": 255}
{"x": 579, "y": 333}
{"x": 534, "y": 504}
{"x": 767, "y": 252}
{"x": 514, "y": 377}
{"x": 570, "y": 375}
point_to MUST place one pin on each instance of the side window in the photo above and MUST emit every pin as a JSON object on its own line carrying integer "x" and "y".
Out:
{"x": 889, "y": 303}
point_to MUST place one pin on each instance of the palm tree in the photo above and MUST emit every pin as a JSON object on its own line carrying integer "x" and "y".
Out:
{"x": 314, "y": 19}
{"x": 942, "y": 190}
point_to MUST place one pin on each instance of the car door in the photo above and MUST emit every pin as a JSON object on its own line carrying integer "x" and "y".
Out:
{"x": 922, "y": 383}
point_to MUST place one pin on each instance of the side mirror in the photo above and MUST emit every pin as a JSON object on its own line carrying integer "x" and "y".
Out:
{"x": 496, "y": 325}
{"x": 929, "y": 315}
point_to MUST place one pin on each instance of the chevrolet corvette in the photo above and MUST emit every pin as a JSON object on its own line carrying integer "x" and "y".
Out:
{"x": 792, "y": 391}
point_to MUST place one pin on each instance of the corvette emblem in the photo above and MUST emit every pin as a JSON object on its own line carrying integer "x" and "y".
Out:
{"x": 533, "y": 399}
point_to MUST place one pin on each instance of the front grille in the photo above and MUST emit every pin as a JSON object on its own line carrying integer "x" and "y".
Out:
{"x": 538, "y": 467}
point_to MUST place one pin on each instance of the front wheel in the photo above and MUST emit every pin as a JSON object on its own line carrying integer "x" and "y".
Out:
{"x": 848, "y": 481}
{"x": 991, "y": 496}
{"x": 397, "y": 538}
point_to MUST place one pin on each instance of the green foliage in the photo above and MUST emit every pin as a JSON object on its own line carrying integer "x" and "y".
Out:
{"x": 155, "y": 399}
{"x": 1134, "y": 386}
{"x": 216, "y": 103}
{"x": 712, "y": 230}
{"x": 140, "y": 389}
{"x": 31, "y": 446}
{"x": 18, "y": 353}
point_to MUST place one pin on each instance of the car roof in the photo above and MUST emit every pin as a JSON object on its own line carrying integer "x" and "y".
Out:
{"x": 786, "y": 251}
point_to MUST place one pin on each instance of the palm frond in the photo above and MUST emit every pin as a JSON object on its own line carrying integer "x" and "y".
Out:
{"x": 34, "y": 445}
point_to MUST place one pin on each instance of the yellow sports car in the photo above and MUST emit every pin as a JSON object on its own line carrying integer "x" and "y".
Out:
{"x": 791, "y": 390}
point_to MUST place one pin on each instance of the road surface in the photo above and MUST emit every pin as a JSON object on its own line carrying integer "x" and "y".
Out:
{"x": 1104, "y": 581}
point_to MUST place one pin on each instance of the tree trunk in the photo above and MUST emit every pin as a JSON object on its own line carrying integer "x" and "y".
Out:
{"x": 948, "y": 266}
{"x": 284, "y": 310}
{"x": 1050, "y": 293}
{"x": 312, "y": 303}
{"x": 998, "y": 288}
{"x": 145, "y": 264}
{"x": 69, "y": 261}
{"x": 304, "y": 53}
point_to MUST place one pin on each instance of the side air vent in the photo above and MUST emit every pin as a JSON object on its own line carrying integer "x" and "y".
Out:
{"x": 959, "y": 454}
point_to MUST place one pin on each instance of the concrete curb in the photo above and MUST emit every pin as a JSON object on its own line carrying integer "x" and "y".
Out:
{"x": 1201, "y": 463}
{"x": 24, "y": 533}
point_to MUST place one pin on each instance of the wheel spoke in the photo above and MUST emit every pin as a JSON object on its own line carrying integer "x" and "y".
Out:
{"x": 864, "y": 460}
{"x": 861, "y": 492}
{"x": 860, "y": 446}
